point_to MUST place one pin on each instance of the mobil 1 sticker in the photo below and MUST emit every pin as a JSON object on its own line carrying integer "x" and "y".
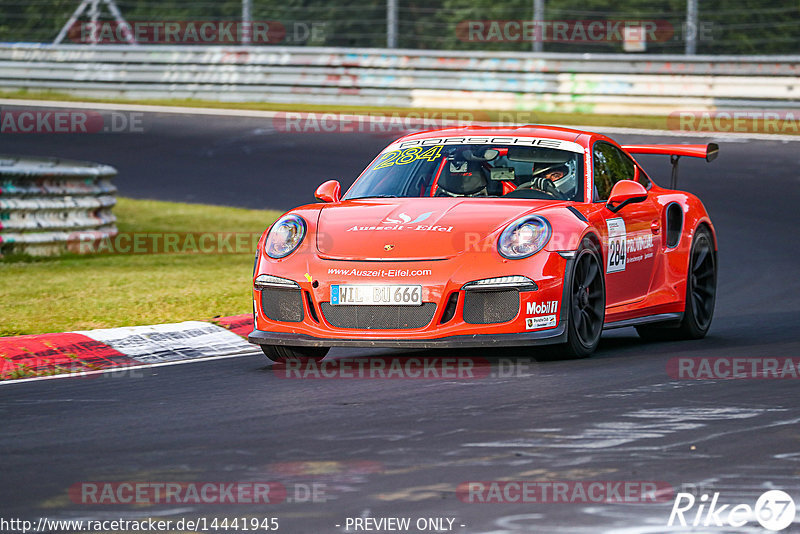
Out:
{"x": 617, "y": 245}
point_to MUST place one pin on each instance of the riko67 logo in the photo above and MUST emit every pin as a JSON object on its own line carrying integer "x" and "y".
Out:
{"x": 774, "y": 510}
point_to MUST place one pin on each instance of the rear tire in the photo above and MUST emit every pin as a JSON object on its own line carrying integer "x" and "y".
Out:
{"x": 281, "y": 354}
{"x": 587, "y": 304}
{"x": 701, "y": 293}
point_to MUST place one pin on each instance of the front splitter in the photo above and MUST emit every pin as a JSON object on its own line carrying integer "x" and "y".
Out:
{"x": 544, "y": 337}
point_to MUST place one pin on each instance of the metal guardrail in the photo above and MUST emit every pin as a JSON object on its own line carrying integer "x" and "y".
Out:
{"x": 46, "y": 203}
{"x": 610, "y": 83}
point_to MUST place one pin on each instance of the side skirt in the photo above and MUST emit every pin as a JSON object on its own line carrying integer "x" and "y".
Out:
{"x": 669, "y": 319}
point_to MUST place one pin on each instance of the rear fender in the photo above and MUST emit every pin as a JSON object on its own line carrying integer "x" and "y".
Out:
{"x": 676, "y": 259}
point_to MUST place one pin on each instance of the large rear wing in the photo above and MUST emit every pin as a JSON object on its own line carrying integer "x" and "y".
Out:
{"x": 708, "y": 152}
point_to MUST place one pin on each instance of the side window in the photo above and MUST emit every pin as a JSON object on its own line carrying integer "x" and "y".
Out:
{"x": 644, "y": 179}
{"x": 610, "y": 166}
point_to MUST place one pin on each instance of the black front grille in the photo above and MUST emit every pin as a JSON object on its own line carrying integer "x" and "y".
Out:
{"x": 379, "y": 317}
{"x": 486, "y": 307}
{"x": 284, "y": 305}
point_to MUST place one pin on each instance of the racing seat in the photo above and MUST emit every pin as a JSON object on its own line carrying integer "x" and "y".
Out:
{"x": 462, "y": 179}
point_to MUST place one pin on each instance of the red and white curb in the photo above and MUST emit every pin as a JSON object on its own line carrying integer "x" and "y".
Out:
{"x": 110, "y": 349}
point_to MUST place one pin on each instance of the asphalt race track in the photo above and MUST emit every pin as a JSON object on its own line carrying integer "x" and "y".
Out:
{"x": 232, "y": 161}
{"x": 400, "y": 448}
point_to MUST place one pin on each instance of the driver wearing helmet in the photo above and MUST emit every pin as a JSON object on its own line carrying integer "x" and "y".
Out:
{"x": 544, "y": 179}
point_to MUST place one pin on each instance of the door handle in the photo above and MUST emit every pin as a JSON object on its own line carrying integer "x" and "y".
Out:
{"x": 655, "y": 227}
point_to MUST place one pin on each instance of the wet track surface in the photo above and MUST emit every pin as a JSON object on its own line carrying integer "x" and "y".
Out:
{"x": 400, "y": 448}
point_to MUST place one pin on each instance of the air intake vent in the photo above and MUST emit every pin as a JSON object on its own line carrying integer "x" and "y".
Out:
{"x": 487, "y": 307}
{"x": 674, "y": 225}
{"x": 450, "y": 309}
{"x": 379, "y": 317}
{"x": 284, "y": 305}
{"x": 311, "y": 310}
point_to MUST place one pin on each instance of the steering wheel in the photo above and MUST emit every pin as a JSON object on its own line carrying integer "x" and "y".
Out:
{"x": 544, "y": 185}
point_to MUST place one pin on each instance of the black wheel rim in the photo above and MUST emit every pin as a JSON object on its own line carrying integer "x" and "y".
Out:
{"x": 703, "y": 282}
{"x": 588, "y": 302}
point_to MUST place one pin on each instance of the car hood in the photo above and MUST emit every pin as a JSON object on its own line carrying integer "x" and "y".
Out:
{"x": 415, "y": 228}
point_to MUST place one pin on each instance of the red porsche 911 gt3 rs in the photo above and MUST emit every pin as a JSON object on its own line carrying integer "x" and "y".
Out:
{"x": 484, "y": 236}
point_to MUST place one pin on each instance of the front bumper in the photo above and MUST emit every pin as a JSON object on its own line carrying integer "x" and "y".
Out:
{"x": 543, "y": 337}
{"x": 311, "y": 326}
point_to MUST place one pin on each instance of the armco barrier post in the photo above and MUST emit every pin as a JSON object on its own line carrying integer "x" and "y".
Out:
{"x": 45, "y": 202}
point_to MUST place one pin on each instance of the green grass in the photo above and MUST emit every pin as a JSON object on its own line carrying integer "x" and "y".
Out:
{"x": 74, "y": 292}
{"x": 530, "y": 117}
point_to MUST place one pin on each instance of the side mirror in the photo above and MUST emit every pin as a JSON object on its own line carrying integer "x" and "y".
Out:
{"x": 330, "y": 191}
{"x": 625, "y": 192}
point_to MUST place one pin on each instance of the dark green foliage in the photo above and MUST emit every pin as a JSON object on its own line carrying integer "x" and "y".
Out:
{"x": 726, "y": 26}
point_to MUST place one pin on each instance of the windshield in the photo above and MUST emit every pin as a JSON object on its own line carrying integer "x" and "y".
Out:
{"x": 473, "y": 170}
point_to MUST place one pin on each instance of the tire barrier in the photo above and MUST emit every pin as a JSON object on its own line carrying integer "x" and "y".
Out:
{"x": 586, "y": 83}
{"x": 46, "y": 203}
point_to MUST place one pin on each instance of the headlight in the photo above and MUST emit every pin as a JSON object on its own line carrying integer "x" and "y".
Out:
{"x": 524, "y": 237}
{"x": 286, "y": 235}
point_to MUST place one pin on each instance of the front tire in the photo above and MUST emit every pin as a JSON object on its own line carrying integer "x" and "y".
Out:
{"x": 281, "y": 354}
{"x": 587, "y": 304}
{"x": 701, "y": 294}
